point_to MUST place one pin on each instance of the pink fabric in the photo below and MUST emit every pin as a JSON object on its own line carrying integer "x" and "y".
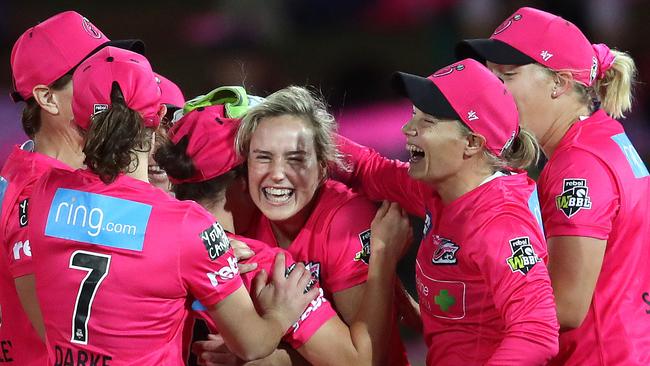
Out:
{"x": 315, "y": 315}
{"x": 605, "y": 59}
{"x": 94, "y": 78}
{"x": 551, "y": 41}
{"x": 614, "y": 189}
{"x": 52, "y": 48}
{"x": 139, "y": 308}
{"x": 211, "y": 144}
{"x": 475, "y": 308}
{"x": 171, "y": 93}
{"x": 22, "y": 170}
{"x": 332, "y": 243}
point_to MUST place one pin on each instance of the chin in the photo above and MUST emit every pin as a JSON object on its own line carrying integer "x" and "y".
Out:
{"x": 277, "y": 213}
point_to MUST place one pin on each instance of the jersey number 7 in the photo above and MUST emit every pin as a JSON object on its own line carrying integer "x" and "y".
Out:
{"x": 97, "y": 267}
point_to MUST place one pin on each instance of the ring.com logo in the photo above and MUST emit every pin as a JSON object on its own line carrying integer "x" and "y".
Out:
{"x": 97, "y": 219}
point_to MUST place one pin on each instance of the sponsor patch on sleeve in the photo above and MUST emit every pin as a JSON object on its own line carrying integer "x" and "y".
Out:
{"x": 523, "y": 257}
{"x": 215, "y": 240}
{"x": 22, "y": 212}
{"x": 364, "y": 254}
{"x": 574, "y": 197}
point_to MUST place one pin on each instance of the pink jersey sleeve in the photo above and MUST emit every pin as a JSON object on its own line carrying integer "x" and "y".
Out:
{"x": 208, "y": 266}
{"x": 348, "y": 245}
{"x": 578, "y": 196}
{"x": 381, "y": 178}
{"x": 512, "y": 265}
{"x": 17, "y": 247}
{"x": 317, "y": 313}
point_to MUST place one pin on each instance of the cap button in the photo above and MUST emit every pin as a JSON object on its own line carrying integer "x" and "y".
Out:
{"x": 109, "y": 59}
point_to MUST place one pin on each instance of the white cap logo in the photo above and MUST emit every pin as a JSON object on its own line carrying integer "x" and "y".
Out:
{"x": 594, "y": 70}
{"x": 97, "y": 108}
{"x": 471, "y": 116}
{"x": 90, "y": 28}
{"x": 546, "y": 55}
{"x": 507, "y": 24}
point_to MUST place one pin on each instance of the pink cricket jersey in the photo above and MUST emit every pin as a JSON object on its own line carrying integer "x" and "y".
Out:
{"x": 19, "y": 342}
{"x": 335, "y": 243}
{"x": 484, "y": 291}
{"x": 116, "y": 265}
{"x": 315, "y": 315}
{"x": 596, "y": 185}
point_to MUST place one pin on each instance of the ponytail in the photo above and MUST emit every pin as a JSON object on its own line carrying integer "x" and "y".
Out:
{"x": 615, "y": 88}
{"x": 523, "y": 152}
{"x": 114, "y": 137}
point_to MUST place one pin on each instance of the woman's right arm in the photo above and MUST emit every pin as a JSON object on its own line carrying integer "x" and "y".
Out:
{"x": 380, "y": 178}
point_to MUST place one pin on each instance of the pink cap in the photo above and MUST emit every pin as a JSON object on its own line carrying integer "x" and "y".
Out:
{"x": 531, "y": 35}
{"x": 51, "y": 49}
{"x": 211, "y": 142}
{"x": 171, "y": 93}
{"x": 469, "y": 92}
{"x": 94, "y": 78}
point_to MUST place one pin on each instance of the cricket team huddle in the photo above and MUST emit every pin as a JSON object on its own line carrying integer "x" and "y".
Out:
{"x": 133, "y": 216}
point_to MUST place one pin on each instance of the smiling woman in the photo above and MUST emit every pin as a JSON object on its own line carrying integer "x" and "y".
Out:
{"x": 288, "y": 142}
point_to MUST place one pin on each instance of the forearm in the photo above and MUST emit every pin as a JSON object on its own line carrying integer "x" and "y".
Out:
{"x": 373, "y": 323}
{"x": 531, "y": 343}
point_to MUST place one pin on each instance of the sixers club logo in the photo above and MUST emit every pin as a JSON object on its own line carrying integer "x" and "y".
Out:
{"x": 445, "y": 252}
{"x": 90, "y": 28}
{"x": 507, "y": 24}
{"x": 448, "y": 70}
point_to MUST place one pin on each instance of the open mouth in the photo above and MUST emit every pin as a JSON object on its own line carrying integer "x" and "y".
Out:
{"x": 156, "y": 171}
{"x": 277, "y": 195}
{"x": 415, "y": 152}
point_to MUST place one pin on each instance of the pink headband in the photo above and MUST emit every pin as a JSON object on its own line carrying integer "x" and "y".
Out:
{"x": 605, "y": 59}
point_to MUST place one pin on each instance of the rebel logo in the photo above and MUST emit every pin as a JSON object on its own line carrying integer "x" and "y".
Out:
{"x": 523, "y": 257}
{"x": 574, "y": 197}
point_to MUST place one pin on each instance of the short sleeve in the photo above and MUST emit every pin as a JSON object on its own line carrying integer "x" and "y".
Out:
{"x": 513, "y": 269}
{"x": 578, "y": 195}
{"x": 208, "y": 266}
{"x": 16, "y": 244}
{"x": 348, "y": 245}
{"x": 315, "y": 315}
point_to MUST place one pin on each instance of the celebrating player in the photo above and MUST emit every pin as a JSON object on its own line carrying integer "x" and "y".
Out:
{"x": 42, "y": 61}
{"x": 484, "y": 292}
{"x": 288, "y": 143}
{"x": 594, "y": 190}
{"x": 117, "y": 259}
{"x": 203, "y": 165}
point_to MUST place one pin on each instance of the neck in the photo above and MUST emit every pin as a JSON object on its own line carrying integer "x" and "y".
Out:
{"x": 561, "y": 124}
{"x": 287, "y": 230}
{"x": 219, "y": 211}
{"x": 462, "y": 182}
{"x": 61, "y": 143}
{"x": 141, "y": 171}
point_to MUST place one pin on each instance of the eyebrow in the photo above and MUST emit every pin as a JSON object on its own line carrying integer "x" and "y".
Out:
{"x": 292, "y": 152}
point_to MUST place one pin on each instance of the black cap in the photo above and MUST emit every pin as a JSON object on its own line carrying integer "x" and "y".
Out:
{"x": 424, "y": 94}
{"x": 492, "y": 50}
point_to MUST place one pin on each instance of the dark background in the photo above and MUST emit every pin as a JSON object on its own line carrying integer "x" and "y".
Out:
{"x": 346, "y": 49}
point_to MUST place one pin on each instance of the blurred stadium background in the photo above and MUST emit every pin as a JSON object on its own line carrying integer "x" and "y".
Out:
{"x": 346, "y": 49}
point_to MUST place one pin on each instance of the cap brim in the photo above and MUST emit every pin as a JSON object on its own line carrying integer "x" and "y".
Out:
{"x": 424, "y": 94}
{"x": 134, "y": 45}
{"x": 491, "y": 50}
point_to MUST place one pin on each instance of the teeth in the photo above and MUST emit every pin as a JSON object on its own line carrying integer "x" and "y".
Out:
{"x": 277, "y": 191}
{"x": 413, "y": 148}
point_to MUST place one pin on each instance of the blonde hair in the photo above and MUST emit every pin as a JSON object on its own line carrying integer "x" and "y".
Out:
{"x": 523, "y": 152}
{"x": 613, "y": 92}
{"x": 294, "y": 101}
{"x": 615, "y": 89}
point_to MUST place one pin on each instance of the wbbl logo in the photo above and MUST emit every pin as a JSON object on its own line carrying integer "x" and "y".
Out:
{"x": 574, "y": 197}
{"x": 523, "y": 257}
{"x": 215, "y": 240}
{"x": 364, "y": 254}
{"x": 311, "y": 282}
